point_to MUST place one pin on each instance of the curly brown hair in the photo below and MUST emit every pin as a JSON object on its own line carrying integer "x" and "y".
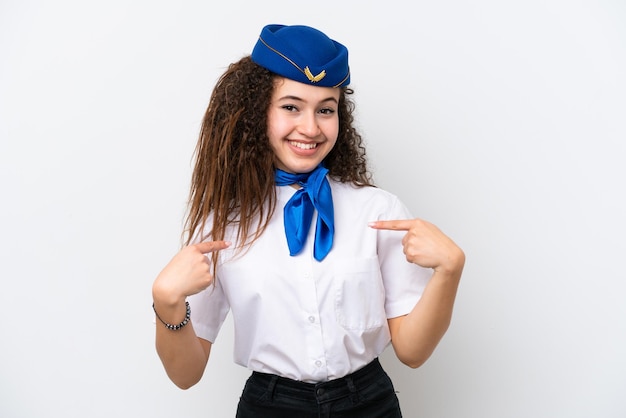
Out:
{"x": 233, "y": 176}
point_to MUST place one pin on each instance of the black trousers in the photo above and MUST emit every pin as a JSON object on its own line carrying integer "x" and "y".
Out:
{"x": 366, "y": 393}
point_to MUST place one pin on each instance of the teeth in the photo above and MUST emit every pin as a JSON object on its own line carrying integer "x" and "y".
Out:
{"x": 302, "y": 145}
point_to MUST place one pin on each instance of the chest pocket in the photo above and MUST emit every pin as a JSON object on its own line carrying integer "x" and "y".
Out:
{"x": 359, "y": 294}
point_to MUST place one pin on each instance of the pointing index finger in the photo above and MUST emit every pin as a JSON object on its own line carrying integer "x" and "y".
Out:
{"x": 211, "y": 246}
{"x": 394, "y": 225}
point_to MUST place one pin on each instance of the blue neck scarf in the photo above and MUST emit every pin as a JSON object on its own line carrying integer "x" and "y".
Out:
{"x": 314, "y": 194}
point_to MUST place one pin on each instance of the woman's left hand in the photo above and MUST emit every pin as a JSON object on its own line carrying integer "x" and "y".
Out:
{"x": 424, "y": 244}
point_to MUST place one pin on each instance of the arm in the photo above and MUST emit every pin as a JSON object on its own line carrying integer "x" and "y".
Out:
{"x": 415, "y": 336}
{"x": 182, "y": 353}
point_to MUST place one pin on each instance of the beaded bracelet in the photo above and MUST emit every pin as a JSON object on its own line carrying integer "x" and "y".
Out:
{"x": 175, "y": 327}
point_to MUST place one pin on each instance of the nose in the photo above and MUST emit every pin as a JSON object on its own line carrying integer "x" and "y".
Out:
{"x": 309, "y": 125}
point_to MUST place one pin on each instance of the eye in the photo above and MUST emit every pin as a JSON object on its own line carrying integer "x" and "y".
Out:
{"x": 289, "y": 108}
{"x": 327, "y": 111}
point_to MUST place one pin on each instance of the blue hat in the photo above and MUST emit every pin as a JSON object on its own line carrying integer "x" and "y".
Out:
{"x": 303, "y": 54}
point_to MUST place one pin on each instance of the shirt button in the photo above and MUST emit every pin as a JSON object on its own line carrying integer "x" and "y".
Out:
{"x": 318, "y": 363}
{"x": 311, "y": 319}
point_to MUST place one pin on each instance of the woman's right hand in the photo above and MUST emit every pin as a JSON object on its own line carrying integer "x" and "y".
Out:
{"x": 188, "y": 273}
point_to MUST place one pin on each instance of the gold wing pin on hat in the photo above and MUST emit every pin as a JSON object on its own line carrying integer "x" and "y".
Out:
{"x": 314, "y": 78}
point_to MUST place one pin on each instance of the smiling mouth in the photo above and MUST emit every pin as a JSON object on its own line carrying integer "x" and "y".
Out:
{"x": 302, "y": 145}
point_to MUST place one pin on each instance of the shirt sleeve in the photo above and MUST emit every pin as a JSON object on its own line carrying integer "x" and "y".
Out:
{"x": 208, "y": 311}
{"x": 404, "y": 282}
{"x": 210, "y": 306}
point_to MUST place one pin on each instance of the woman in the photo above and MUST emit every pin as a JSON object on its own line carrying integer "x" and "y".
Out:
{"x": 320, "y": 269}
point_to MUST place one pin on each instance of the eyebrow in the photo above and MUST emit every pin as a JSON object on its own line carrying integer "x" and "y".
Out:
{"x": 290, "y": 97}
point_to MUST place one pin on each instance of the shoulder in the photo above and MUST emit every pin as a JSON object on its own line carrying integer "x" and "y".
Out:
{"x": 367, "y": 199}
{"x": 364, "y": 193}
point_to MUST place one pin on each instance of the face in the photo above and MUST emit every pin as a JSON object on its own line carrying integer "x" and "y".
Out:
{"x": 303, "y": 124}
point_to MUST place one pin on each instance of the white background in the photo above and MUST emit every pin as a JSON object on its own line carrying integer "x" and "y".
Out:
{"x": 503, "y": 122}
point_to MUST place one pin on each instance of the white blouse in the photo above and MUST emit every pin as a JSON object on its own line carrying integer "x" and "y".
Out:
{"x": 308, "y": 320}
